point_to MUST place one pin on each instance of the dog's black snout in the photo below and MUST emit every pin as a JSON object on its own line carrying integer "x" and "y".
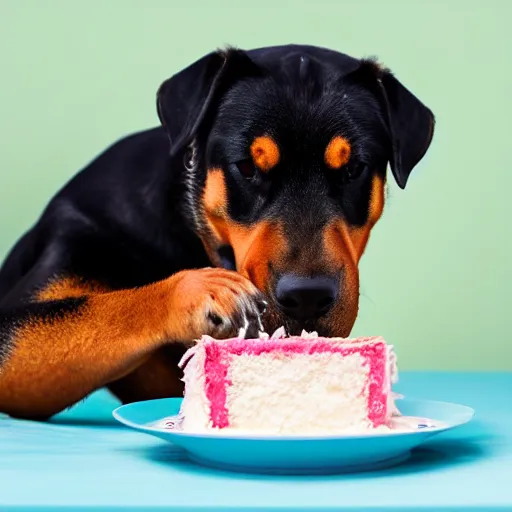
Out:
{"x": 304, "y": 298}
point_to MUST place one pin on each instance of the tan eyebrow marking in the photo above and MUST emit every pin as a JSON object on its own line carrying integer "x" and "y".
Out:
{"x": 265, "y": 153}
{"x": 337, "y": 152}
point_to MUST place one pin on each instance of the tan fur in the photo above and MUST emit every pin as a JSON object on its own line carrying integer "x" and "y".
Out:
{"x": 66, "y": 288}
{"x": 265, "y": 153}
{"x": 110, "y": 336}
{"x": 337, "y": 152}
{"x": 344, "y": 246}
{"x": 254, "y": 246}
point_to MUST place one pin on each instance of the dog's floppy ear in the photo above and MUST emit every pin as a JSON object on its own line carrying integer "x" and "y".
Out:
{"x": 409, "y": 122}
{"x": 411, "y": 126}
{"x": 188, "y": 100}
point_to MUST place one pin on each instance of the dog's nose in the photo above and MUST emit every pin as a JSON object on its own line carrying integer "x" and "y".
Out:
{"x": 304, "y": 298}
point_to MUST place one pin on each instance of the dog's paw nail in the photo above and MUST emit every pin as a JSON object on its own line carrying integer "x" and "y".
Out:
{"x": 215, "y": 319}
{"x": 262, "y": 305}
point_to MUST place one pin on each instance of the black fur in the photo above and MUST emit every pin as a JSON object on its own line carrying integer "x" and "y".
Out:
{"x": 131, "y": 217}
{"x": 12, "y": 319}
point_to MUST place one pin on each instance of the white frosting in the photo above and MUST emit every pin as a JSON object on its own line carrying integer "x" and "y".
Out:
{"x": 278, "y": 334}
{"x": 309, "y": 335}
{"x": 392, "y": 362}
{"x": 392, "y": 378}
{"x": 195, "y": 409}
{"x": 329, "y": 392}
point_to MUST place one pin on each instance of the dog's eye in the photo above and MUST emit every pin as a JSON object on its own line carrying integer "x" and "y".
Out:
{"x": 354, "y": 170}
{"x": 246, "y": 168}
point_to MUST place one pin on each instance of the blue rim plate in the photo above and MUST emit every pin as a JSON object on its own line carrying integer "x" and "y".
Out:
{"x": 295, "y": 454}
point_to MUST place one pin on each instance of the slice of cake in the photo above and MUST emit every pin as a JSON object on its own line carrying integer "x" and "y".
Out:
{"x": 283, "y": 385}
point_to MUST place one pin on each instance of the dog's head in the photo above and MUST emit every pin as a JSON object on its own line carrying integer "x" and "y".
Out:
{"x": 285, "y": 152}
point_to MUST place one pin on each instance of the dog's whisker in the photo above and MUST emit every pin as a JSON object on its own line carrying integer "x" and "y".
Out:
{"x": 260, "y": 324}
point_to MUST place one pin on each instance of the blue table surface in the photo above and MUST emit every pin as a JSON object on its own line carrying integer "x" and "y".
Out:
{"x": 84, "y": 460}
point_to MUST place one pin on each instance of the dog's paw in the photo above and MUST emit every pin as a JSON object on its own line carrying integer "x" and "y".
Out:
{"x": 215, "y": 302}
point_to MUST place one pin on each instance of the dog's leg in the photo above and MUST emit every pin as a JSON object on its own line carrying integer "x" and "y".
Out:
{"x": 58, "y": 351}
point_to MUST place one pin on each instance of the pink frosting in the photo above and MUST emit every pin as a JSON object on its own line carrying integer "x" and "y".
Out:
{"x": 216, "y": 372}
{"x": 218, "y": 355}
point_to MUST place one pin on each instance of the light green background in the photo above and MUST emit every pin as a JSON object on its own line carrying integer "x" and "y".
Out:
{"x": 75, "y": 76}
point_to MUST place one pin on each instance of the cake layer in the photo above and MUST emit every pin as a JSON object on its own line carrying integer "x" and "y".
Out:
{"x": 293, "y": 384}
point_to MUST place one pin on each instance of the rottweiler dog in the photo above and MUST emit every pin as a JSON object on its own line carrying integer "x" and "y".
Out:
{"x": 252, "y": 202}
